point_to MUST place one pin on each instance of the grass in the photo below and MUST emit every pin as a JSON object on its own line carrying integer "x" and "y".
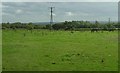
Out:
{"x": 44, "y": 50}
{"x": 0, "y": 50}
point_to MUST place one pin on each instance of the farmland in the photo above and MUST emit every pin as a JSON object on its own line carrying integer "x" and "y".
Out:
{"x": 0, "y": 51}
{"x": 44, "y": 50}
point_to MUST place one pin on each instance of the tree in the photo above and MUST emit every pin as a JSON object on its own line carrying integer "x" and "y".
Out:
{"x": 48, "y": 26}
{"x": 97, "y": 24}
{"x": 30, "y": 26}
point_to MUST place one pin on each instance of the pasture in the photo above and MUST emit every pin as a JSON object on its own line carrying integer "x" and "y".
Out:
{"x": 0, "y": 51}
{"x": 44, "y": 50}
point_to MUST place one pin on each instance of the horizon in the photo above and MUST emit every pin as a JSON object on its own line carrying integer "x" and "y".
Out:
{"x": 62, "y": 22}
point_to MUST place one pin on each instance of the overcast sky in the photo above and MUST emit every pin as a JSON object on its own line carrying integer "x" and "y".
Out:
{"x": 40, "y": 12}
{"x": 59, "y": 0}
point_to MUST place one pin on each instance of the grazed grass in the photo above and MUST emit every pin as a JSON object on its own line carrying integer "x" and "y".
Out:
{"x": 45, "y": 50}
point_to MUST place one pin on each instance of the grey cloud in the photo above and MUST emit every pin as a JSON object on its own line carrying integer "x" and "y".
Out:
{"x": 39, "y": 11}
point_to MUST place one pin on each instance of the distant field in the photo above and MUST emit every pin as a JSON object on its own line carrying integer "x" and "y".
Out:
{"x": 43, "y": 50}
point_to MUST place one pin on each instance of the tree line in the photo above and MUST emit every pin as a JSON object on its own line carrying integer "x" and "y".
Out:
{"x": 19, "y": 25}
{"x": 67, "y": 25}
{"x": 77, "y": 25}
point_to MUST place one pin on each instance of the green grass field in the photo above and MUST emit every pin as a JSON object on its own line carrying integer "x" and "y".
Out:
{"x": 0, "y": 51}
{"x": 43, "y": 50}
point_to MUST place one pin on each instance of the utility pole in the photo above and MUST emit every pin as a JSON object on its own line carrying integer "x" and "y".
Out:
{"x": 51, "y": 17}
